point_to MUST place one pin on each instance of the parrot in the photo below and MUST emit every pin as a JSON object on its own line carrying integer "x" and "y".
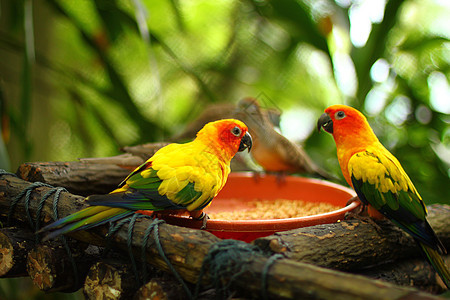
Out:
{"x": 380, "y": 181}
{"x": 178, "y": 177}
{"x": 271, "y": 150}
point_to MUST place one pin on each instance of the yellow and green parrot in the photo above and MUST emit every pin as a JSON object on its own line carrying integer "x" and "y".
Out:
{"x": 177, "y": 177}
{"x": 380, "y": 181}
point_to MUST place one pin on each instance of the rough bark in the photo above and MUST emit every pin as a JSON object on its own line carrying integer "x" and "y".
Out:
{"x": 15, "y": 243}
{"x": 80, "y": 178}
{"x": 144, "y": 151}
{"x": 186, "y": 249}
{"x": 89, "y": 175}
{"x": 353, "y": 244}
{"x": 288, "y": 279}
{"x": 161, "y": 288}
{"x": 50, "y": 267}
{"x": 409, "y": 272}
{"x": 110, "y": 280}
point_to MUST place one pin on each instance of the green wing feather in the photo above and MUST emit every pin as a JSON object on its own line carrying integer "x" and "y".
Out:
{"x": 141, "y": 191}
{"x": 379, "y": 180}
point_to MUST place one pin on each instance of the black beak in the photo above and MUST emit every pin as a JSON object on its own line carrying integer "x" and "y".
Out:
{"x": 246, "y": 142}
{"x": 325, "y": 122}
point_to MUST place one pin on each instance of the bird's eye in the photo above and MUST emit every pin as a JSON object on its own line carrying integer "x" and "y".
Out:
{"x": 236, "y": 131}
{"x": 340, "y": 115}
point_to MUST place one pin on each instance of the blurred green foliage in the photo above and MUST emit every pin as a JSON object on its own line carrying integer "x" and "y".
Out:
{"x": 83, "y": 78}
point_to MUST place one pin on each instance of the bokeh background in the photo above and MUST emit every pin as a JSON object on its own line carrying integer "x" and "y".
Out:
{"x": 84, "y": 78}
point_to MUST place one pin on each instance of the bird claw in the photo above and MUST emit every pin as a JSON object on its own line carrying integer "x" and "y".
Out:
{"x": 204, "y": 218}
{"x": 362, "y": 214}
{"x": 257, "y": 175}
{"x": 281, "y": 177}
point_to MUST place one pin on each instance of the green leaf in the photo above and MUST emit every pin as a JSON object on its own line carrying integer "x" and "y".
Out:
{"x": 297, "y": 20}
{"x": 118, "y": 91}
{"x": 375, "y": 48}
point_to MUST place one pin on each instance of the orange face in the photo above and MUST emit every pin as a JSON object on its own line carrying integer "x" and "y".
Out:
{"x": 236, "y": 135}
{"x": 230, "y": 135}
{"x": 348, "y": 126}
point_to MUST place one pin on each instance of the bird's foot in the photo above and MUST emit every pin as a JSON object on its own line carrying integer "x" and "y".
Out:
{"x": 361, "y": 209}
{"x": 257, "y": 175}
{"x": 203, "y": 217}
{"x": 281, "y": 177}
{"x": 149, "y": 213}
{"x": 361, "y": 213}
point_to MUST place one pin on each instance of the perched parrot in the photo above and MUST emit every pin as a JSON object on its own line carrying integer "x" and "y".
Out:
{"x": 271, "y": 150}
{"x": 177, "y": 177}
{"x": 380, "y": 181}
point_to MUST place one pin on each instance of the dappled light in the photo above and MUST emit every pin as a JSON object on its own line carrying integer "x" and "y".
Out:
{"x": 85, "y": 79}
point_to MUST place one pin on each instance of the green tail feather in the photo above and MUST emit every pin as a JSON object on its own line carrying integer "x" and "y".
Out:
{"x": 437, "y": 262}
{"x": 87, "y": 218}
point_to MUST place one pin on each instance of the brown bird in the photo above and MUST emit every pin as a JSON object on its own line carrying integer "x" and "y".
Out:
{"x": 217, "y": 111}
{"x": 212, "y": 112}
{"x": 271, "y": 150}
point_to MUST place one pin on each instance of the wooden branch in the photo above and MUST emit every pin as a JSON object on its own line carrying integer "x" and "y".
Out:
{"x": 353, "y": 244}
{"x": 158, "y": 288}
{"x": 144, "y": 151}
{"x": 288, "y": 279}
{"x": 162, "y": 286}
{"x": 51, "y": 270}
{"x": 186, "y": 249}
{"x": 409, "y": 272}
{"x": 110, "y": 280}
{"x": 89, "y": 175}
{"x": 80, "y": 178}
{"x": 15, "y": 243}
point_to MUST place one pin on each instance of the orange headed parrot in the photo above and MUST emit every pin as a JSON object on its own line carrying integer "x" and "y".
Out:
{"x": 177, "y": 177}
{"x": 380, "y": 181}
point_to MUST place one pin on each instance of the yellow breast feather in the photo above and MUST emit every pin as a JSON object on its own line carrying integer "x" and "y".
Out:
{"x": 380, "y": 168}
{"x": 377, "y": 167}
{"x": 189, "y": 164}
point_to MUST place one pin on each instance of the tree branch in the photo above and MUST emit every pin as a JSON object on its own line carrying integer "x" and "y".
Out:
{"x": 186, "y": 249}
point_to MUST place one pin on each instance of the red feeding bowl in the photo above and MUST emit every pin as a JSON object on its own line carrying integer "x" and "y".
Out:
{"x": 241, "y": 188}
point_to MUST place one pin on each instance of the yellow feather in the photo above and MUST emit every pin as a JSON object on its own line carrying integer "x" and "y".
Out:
{"x": 184, "y": 173}
{"x": 124, "y": 188}
{"x": 378, "y": 167}
{"x": 146, "y": 173}
{"x": 166, "y": 172}
{"x": 190, "y": 164}
{"x": 103, "y": 214}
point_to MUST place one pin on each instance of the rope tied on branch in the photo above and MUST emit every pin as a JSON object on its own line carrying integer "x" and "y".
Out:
{"x": 154, "y": 226}
{"x": 226, "y": 261}
{"x": 56, "y": 191}
{"x": 265, "y": 272}
{"x": 27, "y": 193}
